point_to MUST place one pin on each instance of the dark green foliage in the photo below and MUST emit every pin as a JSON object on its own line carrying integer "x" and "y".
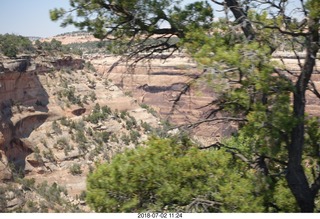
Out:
{"x": 69, "y": 93}
{"x": 273, "y": 126}
{"x": 62, "y": 141}
{"x": 83, "y": 195}
{"x": 169, "y": 174}
{"x": 82, "y": 147}
{"x": 36, "y": 154}
{"x": 80, "y": 137}
{"x": 75, "y": 169}
{"x": 125, "y": 139}
{"x": 27, "y": 183}
{"x": 146, "y": 126}
{"x": 149, "y": 109}
{"x": 101, "y": 137}
{"x": 134, "y": 136}
{"x": 114, "y": 138}
{"x": 106, "y": 110}
{"x": 92, "y": 96}
{"x": 123, "y": 114}
{"x": 98, "y": 114}
{"x": 3, "y": 200}
{"x": 48, "y": 154}
{"x": 10, "y": 51}
{"x": 56, "y": 127}
{"x": 90, "y": 67}
{"x": 51, "y": 193}
{"x": 78, "y": 125}
{"x": 105, "y": 136}
{"x": 64, "y": 121}
{"x": 32, "y": 206}
{"x": 131, "y": 123}
{"x": 54, "y": 46}
{"x": 90, "y": 47}
{"x": 11, "y": 45}
{"x": 162, "y": 131}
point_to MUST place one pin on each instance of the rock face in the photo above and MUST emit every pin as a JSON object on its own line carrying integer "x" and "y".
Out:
{"x": 5, "y": 173}
{"x": 68, "y": 62}
{"x": 23, "y": 105}
{"x": 17, "y": 65}
{"x": 57, "y": 119}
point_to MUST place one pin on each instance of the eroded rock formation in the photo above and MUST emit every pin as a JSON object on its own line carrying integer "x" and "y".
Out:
{"x": 57, "y": 118}
{"x": 23, "y": 105}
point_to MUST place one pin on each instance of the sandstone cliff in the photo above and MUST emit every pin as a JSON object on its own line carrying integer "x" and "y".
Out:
{"x": 58, "y": 117}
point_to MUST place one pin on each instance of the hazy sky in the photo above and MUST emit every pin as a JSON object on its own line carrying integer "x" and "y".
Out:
{"x": 31, "y": 17}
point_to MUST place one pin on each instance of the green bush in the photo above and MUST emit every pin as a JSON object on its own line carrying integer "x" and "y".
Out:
{"x": 93, "y": 96}
{"x": 125, "y": 139}
{"x": 56, "y": 127}
{"x": 48, "y": 154}
{"x": 149, "y": 109}
{"x": 99, "y": 113}
{"x": 11, "y": 45}
{"x": 134, "y": 136}
{"x": 81, "y": 137}
{"x": 37, "y": 155}
{"x": 146, "y": 126}
{"x": 54, "y": 45}
{"x": 172, "y": 175}
{"x": 51, "y": 193}
{"x": 64, "y": 121}
{"x": 75, "y": 169}
{"x": 69, "y": 93}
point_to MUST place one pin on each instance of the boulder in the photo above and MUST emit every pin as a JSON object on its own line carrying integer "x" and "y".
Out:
{"x": 18, "y": 65}
{"x": 2, "y": 68}
{"x": 5, "y": 173}
{"x": 14, "y": 204}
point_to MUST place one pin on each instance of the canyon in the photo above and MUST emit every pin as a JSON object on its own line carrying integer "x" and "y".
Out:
{"x": 63, "y": 114}
{"x": 58, "y": 118}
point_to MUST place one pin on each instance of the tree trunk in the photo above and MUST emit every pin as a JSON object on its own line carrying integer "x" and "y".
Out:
{"x": 296, "y": 177}
{"x": 241, "y": 18}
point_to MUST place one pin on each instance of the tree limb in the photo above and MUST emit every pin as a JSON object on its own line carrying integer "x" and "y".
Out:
{"x": 241, "y": 18}
{"x": 220, "y": 119}
{"x": 313, "y": 89}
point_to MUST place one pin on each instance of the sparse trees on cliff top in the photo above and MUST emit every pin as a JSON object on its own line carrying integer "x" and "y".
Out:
{"x": 11, "y": 45}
